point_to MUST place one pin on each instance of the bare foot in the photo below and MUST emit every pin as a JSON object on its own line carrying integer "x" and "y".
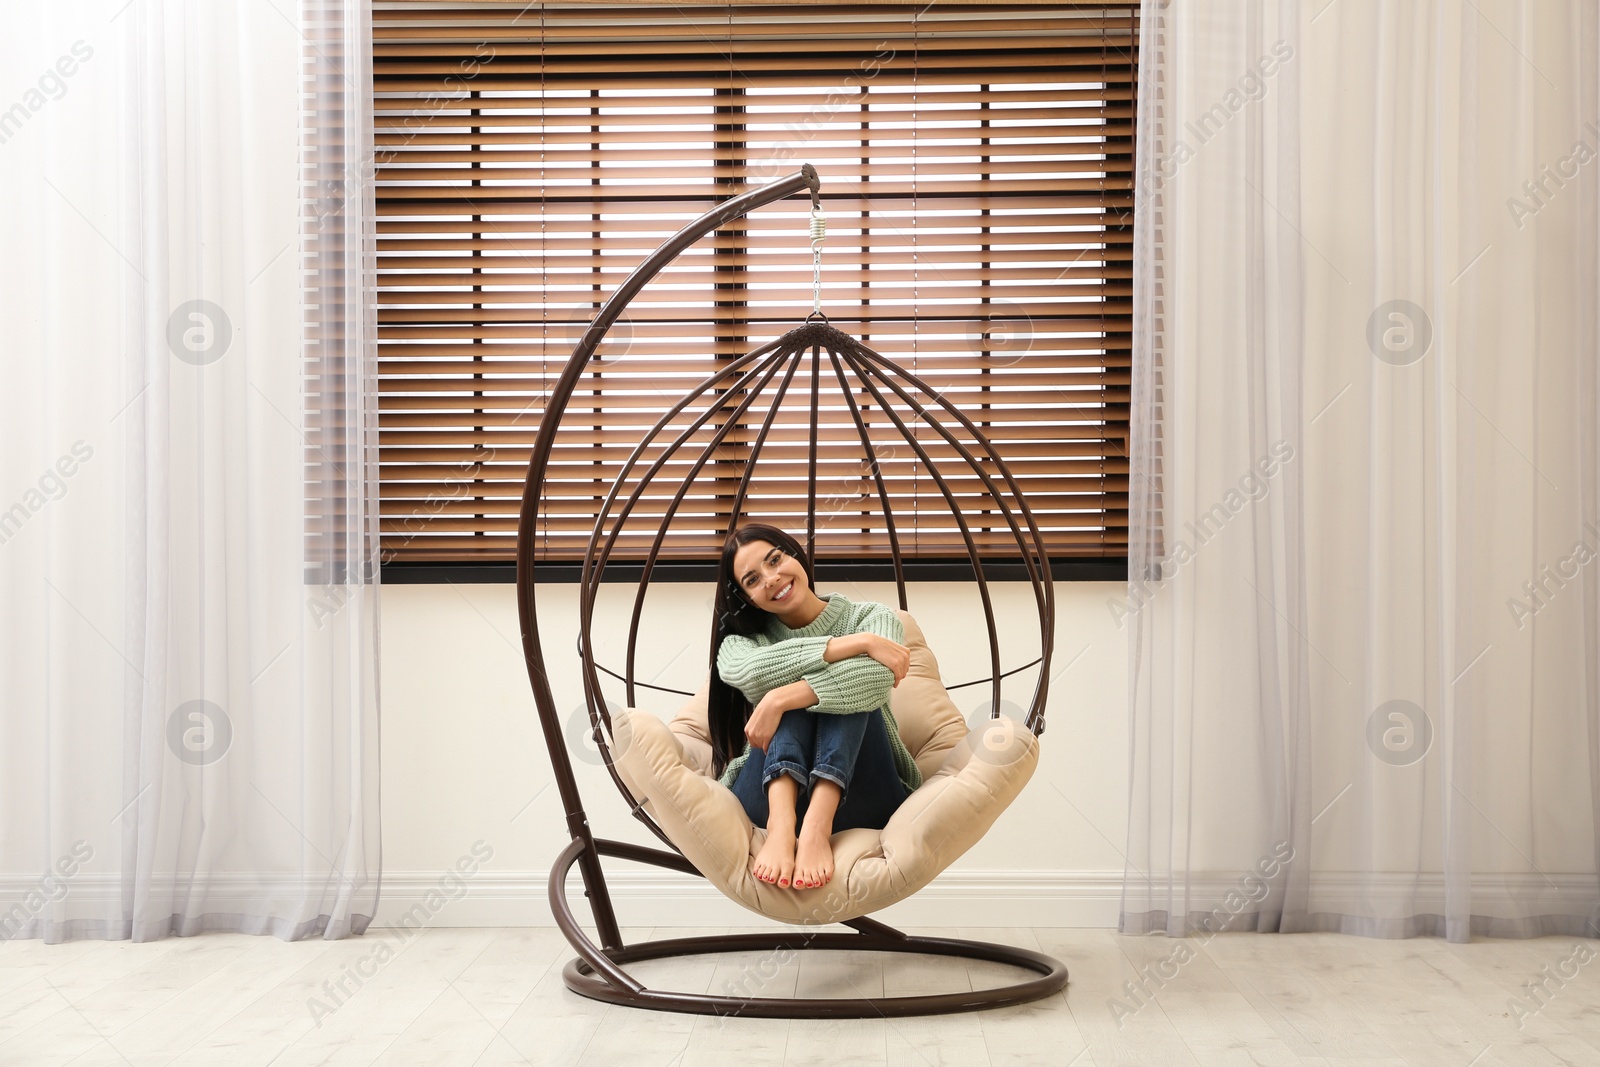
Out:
{"x": 813, "y": 861}
{"x": 775, "y": 862}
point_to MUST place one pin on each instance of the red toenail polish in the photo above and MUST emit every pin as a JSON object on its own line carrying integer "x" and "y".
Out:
{"x": 784, "y": 882}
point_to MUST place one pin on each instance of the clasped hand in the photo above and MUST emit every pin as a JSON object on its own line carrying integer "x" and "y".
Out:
{"x": 891, "y": 654}
{"x": 763, "y": 721}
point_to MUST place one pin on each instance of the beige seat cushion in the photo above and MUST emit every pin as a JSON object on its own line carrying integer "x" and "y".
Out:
{"x": 967, "y": 781}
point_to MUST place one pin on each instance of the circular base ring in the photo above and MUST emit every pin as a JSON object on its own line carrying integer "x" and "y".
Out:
{"x": 582, "y": 979}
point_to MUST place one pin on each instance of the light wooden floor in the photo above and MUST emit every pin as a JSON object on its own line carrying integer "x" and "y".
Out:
{"x": 494, "y": 997}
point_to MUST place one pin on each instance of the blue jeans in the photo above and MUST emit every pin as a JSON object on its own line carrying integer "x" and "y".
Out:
{"x": 851, "y": 751}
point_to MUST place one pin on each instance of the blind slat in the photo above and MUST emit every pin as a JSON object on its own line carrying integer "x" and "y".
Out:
{"x": 818, "y": 105}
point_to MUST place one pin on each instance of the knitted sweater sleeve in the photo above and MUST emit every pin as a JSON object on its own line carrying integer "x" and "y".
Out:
{"x": 756, "y": 666}
{"x": 859, "y": 683}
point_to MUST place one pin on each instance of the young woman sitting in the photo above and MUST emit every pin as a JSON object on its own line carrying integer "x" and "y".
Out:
{"x": 799, "y": 716}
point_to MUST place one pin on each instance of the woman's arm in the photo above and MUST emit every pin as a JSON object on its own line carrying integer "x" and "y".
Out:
{"x": 756, "y": 669}
{"x": 858, "y": 682}
{"x": 771, "y": 708}
{"x": 843, "y": 648}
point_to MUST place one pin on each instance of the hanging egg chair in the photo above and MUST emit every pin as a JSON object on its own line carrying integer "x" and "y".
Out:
{"x": 662, "y": 769}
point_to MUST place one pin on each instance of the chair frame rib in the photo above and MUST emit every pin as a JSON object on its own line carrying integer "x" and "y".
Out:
{"x": 599, "y": 971}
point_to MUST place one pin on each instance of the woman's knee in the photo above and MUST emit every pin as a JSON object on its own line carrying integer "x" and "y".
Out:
{"x": 794, "y": 740}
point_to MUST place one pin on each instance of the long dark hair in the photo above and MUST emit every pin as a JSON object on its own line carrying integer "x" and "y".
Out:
{"x": 727, "y": 710}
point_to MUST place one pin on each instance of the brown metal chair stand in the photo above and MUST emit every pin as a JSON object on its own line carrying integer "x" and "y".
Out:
{"x": 599, "y": 972}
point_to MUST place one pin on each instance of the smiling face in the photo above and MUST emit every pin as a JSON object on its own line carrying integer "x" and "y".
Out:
{"x": 771, "y": 579}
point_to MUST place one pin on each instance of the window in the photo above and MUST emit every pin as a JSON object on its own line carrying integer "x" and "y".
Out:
{"x": 976, "y": 166}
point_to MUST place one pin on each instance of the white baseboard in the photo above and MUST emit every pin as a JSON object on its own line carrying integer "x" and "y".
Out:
{"x": 993, "y": 898}
{"x": 654, "y": 898}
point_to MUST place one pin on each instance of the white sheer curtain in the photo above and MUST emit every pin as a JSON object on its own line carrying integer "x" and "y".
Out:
{"x": 1363, "y": 612}
{"x": 188, "y": 661}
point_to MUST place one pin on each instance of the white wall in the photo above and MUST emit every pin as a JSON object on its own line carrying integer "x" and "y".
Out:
{"x": 464, "y": 759}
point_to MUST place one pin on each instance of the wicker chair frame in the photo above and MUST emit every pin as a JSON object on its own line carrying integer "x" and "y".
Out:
{"x": 598, "y": 971}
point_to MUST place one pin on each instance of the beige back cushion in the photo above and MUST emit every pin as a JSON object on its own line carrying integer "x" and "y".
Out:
{"x": 968, "y": 780}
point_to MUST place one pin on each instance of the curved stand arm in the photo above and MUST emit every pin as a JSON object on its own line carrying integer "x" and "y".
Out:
{"x": 804, "y": 178}
{"x": 721, "y": 215}
{"x": 533, "y": 487}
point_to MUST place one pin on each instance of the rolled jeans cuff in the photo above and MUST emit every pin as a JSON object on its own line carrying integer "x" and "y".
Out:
{"x": 834, "y": 775}
{"x": 789, "y": 767}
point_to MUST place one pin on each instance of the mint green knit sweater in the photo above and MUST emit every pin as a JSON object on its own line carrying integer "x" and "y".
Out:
{"x": 760, "y": 663}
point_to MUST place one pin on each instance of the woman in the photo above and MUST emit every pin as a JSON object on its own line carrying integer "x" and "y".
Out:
{"x": 799, "y": 716}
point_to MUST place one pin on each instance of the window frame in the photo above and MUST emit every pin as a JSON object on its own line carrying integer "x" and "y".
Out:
{"x": 1105, "y": 567}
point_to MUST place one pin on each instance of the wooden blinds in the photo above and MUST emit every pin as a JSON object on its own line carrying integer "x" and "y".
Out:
{"x": 976, "y": 165}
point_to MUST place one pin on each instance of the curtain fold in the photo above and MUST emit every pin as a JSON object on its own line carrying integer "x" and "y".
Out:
{"x": 1362, "y": 611}
{"x": 188, "y": 535}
